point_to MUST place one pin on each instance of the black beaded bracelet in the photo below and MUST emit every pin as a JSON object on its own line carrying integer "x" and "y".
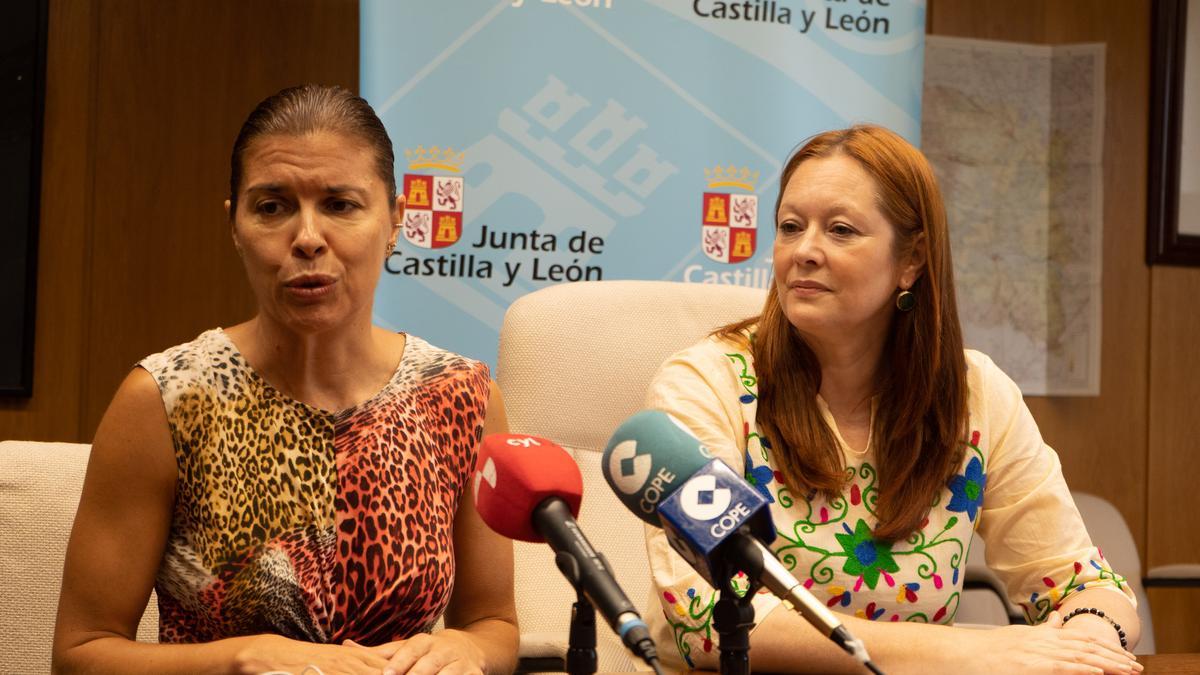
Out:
{"x": 1100, "y": 613}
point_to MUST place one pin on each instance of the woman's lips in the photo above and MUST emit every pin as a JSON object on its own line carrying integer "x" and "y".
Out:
{"x": 310, "y": 286}
{"x": 806, "y": 288}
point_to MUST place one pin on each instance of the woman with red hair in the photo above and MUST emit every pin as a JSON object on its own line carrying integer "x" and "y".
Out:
{"x": 882, "y": 445}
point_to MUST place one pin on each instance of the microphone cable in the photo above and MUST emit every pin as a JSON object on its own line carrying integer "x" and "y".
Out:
{"x": 646, "y": 649}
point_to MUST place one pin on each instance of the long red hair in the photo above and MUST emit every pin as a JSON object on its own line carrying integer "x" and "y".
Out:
{"x": 920, "y": 422}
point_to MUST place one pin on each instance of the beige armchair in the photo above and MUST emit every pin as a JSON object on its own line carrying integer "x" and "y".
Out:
{"x": 39, "y": 493}
{"x": 574, "y": 362}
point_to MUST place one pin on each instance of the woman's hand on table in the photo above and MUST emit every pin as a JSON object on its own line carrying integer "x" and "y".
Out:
{"x": 1049, "y": 647}
{"x": 273, "y": 653}
{"x": 447, "y": 651}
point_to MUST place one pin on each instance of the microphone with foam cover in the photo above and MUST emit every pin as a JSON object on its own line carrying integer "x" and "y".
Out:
{"x": 648, "y": 457}
{"x": 712, "y": 517}
{"x": 530, "y": 489}
{"x": 521, "y": 472}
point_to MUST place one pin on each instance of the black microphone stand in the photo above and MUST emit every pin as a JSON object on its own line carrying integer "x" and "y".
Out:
{"x": 581, "y": 645}
{"x": 733, "y": 617}
{"x": 581, "y": 641}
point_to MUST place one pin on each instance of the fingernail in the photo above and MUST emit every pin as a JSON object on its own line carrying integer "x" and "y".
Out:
{"x": 389, "y": 671}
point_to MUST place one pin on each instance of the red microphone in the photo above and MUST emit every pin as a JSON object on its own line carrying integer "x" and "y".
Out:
{"x": 520, "y": 473}
{"x": 529, "y": 488}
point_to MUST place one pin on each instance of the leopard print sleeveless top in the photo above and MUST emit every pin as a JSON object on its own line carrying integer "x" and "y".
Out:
{"x": 310, "y": 524}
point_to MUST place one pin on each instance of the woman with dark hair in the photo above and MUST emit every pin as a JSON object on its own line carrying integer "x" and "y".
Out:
{"x": 882, "y": 445}
{"x": 295, "y": 487}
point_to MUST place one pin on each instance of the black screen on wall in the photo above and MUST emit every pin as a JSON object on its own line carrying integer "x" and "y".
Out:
{"x": 22, "y": 86}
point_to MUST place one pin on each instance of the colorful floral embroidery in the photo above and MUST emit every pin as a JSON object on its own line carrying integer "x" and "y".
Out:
{"x": 760, "y": 477}
{"x": 870, "y": 612}
{"x": 838, "y": 596}
{"x": 696, "y": 618}
{"x": 1042, "y": 603}
{"x": 967, "y": 489}
{"x": 866, "y": 557}
{"x": 908, "y": 592}
{"x": 748, "y": 380}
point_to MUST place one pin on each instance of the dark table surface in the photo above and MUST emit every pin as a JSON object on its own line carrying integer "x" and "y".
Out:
{"x": 1171, "y": 663}
{"x": 1156, "y": 663}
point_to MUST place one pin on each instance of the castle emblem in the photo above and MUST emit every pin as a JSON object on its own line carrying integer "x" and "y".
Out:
{"x": 729, "y": 227}
{"x": 433, "y": 211}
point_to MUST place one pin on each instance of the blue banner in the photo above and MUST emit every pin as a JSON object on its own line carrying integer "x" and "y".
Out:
{"x": 551, "y": 141}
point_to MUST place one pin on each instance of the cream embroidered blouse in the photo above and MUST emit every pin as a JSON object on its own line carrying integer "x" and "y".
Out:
{"x": 1010, "y": 488}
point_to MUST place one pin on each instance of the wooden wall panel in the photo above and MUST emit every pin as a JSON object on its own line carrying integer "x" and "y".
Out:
{"x": 53, "y": 411}
{"x": 1102, "y": 440}
{"x": 1176, "y": 629}
{"x": 144, "y": 99}
{"x": 177, "y": 79}
{"x": 1014, "y": 21}
{"x": 1174, "y": 461}
{"x": 1174, "y": 416}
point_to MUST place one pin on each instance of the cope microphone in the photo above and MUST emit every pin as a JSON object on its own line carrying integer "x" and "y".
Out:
{"x": 530, "y": 489}
{"x": 648, "y": 457}
{"x": 712, "y": 517}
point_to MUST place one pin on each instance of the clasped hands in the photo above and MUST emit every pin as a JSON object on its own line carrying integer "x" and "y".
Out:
{"x": 450, "y": 652}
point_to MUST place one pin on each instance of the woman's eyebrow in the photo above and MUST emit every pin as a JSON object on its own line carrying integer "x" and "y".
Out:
{"x": 829, "y": 208}
{"x": 340, "y": 189}
{"x": 265, "y": 187}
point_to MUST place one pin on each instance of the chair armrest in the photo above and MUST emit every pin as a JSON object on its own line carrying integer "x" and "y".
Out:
{"x": 1172, "y": 576}
{"x": 541, "y": 653}
{"x": 981, "y": 578}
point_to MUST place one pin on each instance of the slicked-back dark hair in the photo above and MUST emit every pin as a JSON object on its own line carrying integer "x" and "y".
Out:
{"x": 309, "y": 108}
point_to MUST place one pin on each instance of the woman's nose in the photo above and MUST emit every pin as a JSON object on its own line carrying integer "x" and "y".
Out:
{"x": 310, "y": 240}
{"x": 808, "y": 248}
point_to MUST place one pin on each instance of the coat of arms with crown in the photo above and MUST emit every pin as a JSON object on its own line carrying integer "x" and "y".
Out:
{"x": 433, "y": 212}
{"x": 729, "y": 228}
